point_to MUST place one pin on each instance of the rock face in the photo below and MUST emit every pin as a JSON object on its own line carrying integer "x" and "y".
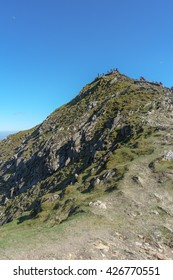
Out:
{"x": 168, "y": 156}
{"x": 109, "y": 141}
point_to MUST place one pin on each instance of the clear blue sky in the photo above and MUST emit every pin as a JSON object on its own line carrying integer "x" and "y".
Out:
{"x": 49, "y": 49}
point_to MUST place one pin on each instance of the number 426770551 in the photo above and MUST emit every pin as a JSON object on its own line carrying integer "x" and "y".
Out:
{"x": 133, "y": 270}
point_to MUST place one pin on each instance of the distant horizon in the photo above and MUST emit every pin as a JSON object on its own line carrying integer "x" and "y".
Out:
{"x": 4, "y": 134}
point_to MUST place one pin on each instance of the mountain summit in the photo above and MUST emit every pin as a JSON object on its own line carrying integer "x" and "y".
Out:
{"x": 101, "y": 167}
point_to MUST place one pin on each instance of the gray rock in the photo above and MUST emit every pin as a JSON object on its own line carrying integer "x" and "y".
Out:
{"x": 56, "y": 196}
{"x": 168, "y": 156}
{"x": 67, "y": 161}
{"x": 98, "y": 204}
{"x": 92, "y": 105}
{"x": 98, "y": 181}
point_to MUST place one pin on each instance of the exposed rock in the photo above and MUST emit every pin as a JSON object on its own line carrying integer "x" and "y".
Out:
{"x": 108, "y": 175}
{"x": 114, "y": 81}
{"x": 56, "y": 196}
{"x": 111, "y": 145}
{"x": 92, "y": 105}
{"x": 57, "y": 219}
{"x": 138, "y": 180}
{"x": 168, "y": 156}
{"x": 101, "y": 246}
{"x": 98, "y": 204}
{"x": 98, "y": 181}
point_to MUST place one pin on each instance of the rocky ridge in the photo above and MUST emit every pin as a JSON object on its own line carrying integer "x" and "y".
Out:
{"x": 105, "y": 155}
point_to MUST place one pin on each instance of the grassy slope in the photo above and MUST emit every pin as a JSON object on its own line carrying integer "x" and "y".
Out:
{"x": 94, "y": 225}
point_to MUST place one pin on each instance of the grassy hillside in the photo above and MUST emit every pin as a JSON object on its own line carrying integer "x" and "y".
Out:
{"x": 97, "y": 173}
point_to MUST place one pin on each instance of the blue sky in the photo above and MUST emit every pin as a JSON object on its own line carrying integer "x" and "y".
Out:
{"x": 49, "y": 49}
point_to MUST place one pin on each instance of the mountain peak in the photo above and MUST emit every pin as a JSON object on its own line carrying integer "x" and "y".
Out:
{"x": 100, "y": 156}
